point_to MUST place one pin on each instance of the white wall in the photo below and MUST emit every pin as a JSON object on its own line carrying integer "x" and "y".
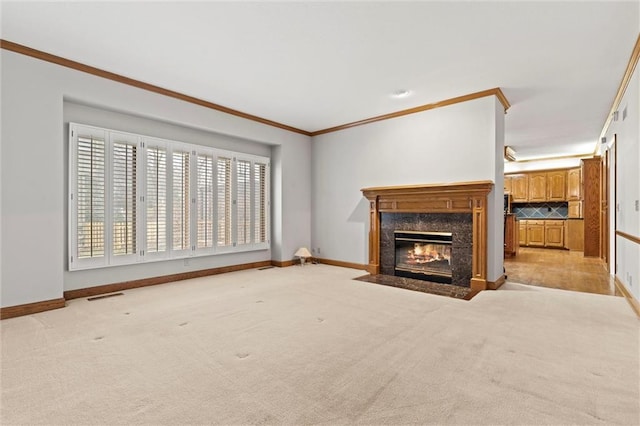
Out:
{"x": 627, "y": 135}
{"x": 444, "y": 145}
{"x": 33, "y": 205}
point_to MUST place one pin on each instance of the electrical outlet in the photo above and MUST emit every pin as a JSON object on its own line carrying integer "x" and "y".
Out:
{"x": 637, "y": 205}
{"x": 318, "y": 250}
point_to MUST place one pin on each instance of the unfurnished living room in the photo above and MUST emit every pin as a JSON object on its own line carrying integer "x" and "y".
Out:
{"x": 320, "y": 212}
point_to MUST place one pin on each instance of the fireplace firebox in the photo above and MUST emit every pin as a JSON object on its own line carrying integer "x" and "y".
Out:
{"x": 423, "y": 255}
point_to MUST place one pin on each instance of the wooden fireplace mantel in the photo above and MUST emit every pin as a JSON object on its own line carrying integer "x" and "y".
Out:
{"x": 461, "y": 197}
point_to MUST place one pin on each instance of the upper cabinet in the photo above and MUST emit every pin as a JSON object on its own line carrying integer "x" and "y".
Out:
{"x": 519, "y": 188}
{"x": 556, "y": 185}
{"x": 539, "y": 187}
{"x": 574, "y": 184}
{"x": 507, "y": 184}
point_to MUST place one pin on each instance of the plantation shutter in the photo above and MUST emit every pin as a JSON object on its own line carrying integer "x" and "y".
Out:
{"x": 124, "y": 202}
{"x": 181, "y": 200}
{"x": 90, "y": 197}
{"x": 260, "y": 203}
{"x": 205, "y": 201}
{"x": 156, "y": 200}
{"x": 224, "y": 201}
{"x": 133, "y": 197}
{"x": 244, "y": 201}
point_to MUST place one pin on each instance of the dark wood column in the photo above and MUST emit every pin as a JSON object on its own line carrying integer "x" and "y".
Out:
{"x": 591, "y": 179}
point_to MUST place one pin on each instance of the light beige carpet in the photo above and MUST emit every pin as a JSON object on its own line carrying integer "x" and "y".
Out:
{"x": 309, "y": 345}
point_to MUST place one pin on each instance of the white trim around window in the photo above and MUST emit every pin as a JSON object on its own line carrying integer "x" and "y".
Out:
{"x": 134, "y": 198}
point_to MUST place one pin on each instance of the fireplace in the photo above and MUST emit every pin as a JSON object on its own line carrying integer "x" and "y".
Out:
{"x": 423, "y": 255}
{"x": 469, "y": 247}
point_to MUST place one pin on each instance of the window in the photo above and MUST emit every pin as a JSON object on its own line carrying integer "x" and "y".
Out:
{"x": 260, "y": 202}
{"x": 244, "y": 201}
{"x": 205, "y": 201}
{"x": 181, "y": 200}
{"x": 124, "y": 193}
{"x": 90, "y": 158}
{"x": 223, "y": 177}
{"x": 135, "y": 198}
{"x": 156, "y": 200}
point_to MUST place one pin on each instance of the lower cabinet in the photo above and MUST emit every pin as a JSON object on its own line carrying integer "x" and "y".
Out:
{"x": 535, "y": 233}
{"x": 554, "y": 233}
{"x": 522, "y": 234}
{"x": 542, "y": 233}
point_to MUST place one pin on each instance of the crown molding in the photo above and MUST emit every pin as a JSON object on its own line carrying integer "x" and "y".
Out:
{"x": 47, "y": 57}
{"x": 626, "y": 78}
{"x": 58, "y": 60}
{"x": 497, "y": 92}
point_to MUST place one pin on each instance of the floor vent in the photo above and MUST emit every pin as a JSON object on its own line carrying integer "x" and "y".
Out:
{"x": 104, "y": 296}
{"x": 266, "y": 267}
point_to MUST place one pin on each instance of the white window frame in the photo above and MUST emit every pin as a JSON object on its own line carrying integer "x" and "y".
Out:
{"x": 143, "y": 143}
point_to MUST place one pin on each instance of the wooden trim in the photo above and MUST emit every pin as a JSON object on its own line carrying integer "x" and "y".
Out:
{"x": 144, "y": 282}
{"x": 342, "y": 264}
{"x": 628, "y": 237}
{"x": 461, "y": 197}
{"x": 47, "y": 57}
{"x": 78, "y": 66}
{"x": 626, "y": 78}
{"x": 31, "y": 308}
{"x": 635, "y": 305}
{"x": 283, "y": 263}
{"x": 491, "y": 92}
{"x": 494, "y": 285}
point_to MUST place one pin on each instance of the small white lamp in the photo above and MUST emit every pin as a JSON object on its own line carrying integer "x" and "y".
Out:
{"x": 303, "y": 254}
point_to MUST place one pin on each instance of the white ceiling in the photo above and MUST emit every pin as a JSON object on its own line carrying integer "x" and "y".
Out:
{"x": 314, "y": 65}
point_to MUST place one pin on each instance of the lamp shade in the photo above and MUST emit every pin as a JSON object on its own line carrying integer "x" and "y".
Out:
{"x": 303, "y": 252}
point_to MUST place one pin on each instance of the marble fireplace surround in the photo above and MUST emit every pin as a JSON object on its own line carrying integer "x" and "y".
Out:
{"x": 462, "y": 197}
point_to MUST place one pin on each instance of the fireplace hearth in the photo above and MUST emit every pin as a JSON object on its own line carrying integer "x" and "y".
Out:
{"x": 423, "y": 255}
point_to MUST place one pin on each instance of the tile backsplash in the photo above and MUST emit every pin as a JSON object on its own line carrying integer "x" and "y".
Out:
{"x": 557, "y": 210}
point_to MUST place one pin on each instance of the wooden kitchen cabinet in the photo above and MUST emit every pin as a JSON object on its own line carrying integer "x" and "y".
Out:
{"x": 575, "y": 235}
{"x": 535, "y": 233}
{"x": 522, "y": 233}
{"x": 574, "y": 184}
{"x": 543, "y": 186}
{"x": 542, "y": 233}
{"x": 556, "y": 185}
{"x": 537, "y": 187}
{"x": 507, "y": 184}
{"x": 511, "y": 231}
{"x": 519, "y": 188}
{"x": 574, "y": 209}
{"x": 554, "y": 233}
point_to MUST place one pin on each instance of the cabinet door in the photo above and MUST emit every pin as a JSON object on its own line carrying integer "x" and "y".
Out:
{"x": 574, "y": 184}
{"x": 538, "y": 187}
{"x": 556, "y": 185}
{"x": 535, "y": 235}
{"x": 507, "y": 184}
{"x": 575, "y": 209}
{"x": 519, "y": 188}
{"x": 522, "y": 233}
{"x": 554, "y": 233}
